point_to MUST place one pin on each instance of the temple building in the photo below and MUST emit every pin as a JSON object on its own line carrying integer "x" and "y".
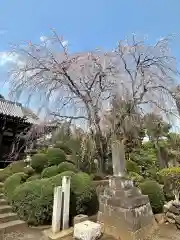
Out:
{"x": 15, "y": 123}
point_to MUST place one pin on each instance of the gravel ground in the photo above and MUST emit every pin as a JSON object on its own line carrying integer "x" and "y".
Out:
{"x": 29, "y": 234}
{"x": 165, "y": 232}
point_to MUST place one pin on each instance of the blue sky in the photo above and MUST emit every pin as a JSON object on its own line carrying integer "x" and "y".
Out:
{"x": 86, "y": 24}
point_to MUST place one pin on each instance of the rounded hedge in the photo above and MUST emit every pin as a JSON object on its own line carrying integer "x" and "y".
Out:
{"x": 63, "y": 147}
{"x": 33, "y": 202}
{"x": 50, "y": 172}
{"x": 14, "y": 167}
{"x": 29, "y": 170}
{"x": 67, "y": 166}
{"x": 57, "y": 180}
{"x": 132, "y": 166}
{"x": 80, "y": 182}
{"x": 55, "y": 156}
{"x": 12, "y": 182}
{"x": 155, "y": 194}
{"x": 39, "y": 162}
{"x": 33, "y": 177}
{"x": 151, "y": 173}
{"x": 136, "y": 178}
{"x": 85, "y": 194}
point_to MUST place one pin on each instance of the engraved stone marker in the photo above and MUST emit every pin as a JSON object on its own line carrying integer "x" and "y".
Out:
{"x": 118, "y": 159}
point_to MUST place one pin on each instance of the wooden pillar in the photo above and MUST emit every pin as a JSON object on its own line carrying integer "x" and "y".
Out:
{"x": 2, "y": 129}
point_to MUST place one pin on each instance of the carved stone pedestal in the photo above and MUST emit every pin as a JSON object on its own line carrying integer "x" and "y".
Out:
{"x": 124, "y": 212}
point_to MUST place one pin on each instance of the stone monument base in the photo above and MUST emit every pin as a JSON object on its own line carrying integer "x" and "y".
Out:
{"x": 124, "y": 212}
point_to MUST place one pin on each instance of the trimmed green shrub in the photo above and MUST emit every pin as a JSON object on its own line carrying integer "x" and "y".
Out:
{"x": 12, "y": 182}
{"x": 84, "y": 193}
{"x": 155, "y": 194}
{"x": 171, "y": 178}
{"x": 33, "y": 202}
{"x": 136, "y": 178}
{"x": 43, "y": 150}
{"x": 132, "y": 166}
{"x": 87, "y": 202}
{"x": 4, "y": 174}
{"x": 39, "y": 162}
{"x": 33, "y": 177}
{"x": 151, "y": 173}
{"x": 29, "y": 170}
{"x": 57, "y": 180}
{"x": 55, "y": 156}
{"x": 80, "y": 182}
{"x": 50, "y": 172}
{"x": 63, "y": 147}
{"x": 67, "y": 166}
{"x": 15, "y": 167}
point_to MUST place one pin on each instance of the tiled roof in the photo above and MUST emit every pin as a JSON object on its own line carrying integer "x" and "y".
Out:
{"x": 14, "y": 109}
{"x": 30, "y": 116}
{"x": 11, "y": 108}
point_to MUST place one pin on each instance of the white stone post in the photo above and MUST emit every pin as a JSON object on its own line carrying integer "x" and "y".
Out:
{"x": 57, "y": 206}
{"x": 66, "y": 201}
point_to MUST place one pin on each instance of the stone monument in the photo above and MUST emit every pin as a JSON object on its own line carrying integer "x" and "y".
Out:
{"x": 57, "y": 205}
{"x": 124, "y": 212}
{"x": 66, "y": 180}
{"x": 61, "y": 204}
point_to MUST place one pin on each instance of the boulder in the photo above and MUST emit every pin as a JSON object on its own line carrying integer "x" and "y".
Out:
{"x": 87, "y": 230}
{"x": 167, "y": 206}
{"x": 177, "y": 219}
{"x": 170, "y": 220}
{"x": 170, "y": 215}
{"x": 176, "y": 204}
{"x": 173, "y": 209}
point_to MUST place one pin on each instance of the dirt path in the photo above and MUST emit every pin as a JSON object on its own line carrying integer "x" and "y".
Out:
{"x": 165, "y": 232}
{"x": 29, "y": 234}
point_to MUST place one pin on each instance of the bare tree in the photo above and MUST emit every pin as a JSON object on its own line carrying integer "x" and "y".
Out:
{"x": 147, "y": 81}
{"x": 81, "y": 86}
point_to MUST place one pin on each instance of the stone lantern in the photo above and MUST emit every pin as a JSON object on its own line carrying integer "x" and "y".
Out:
{"x": 28, "y": 160}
